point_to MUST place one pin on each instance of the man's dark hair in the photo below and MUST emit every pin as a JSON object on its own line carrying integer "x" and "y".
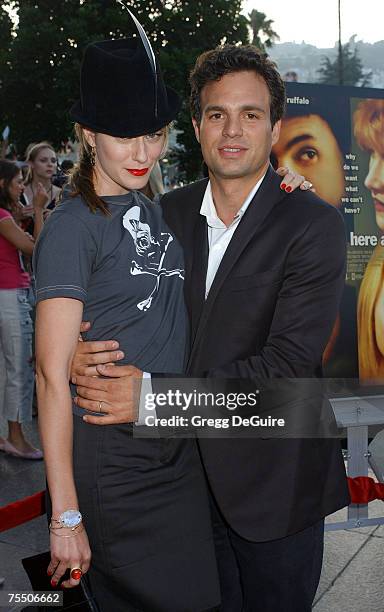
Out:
{"x": 213, "y": 65}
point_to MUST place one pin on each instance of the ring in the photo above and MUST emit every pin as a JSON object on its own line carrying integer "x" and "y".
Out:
{"x": 76, "y": 573}
{"x": 308, "y": 184}
{"x": 100, "y": 406}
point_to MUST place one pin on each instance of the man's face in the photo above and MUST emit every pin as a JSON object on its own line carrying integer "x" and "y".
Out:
{"x": 374, "y": 181}
{"x": 235, "y": 131}
{"x": 308, "y": 146}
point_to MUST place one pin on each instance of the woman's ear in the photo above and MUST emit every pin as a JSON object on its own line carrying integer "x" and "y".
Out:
{"x": 89, "y": 137}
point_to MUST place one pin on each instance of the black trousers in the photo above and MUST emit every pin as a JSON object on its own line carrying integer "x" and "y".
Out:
{"x": 276, "y": 576}
{"x": 146, "y": 511}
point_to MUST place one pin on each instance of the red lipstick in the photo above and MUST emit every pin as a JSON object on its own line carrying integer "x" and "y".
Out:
{"x": 138, "y": 171}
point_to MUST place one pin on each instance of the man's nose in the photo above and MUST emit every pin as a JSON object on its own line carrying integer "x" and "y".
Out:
{"x": 232, "y": 126}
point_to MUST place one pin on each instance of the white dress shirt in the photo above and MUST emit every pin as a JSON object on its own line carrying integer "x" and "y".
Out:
{"x": 219, "y": 235}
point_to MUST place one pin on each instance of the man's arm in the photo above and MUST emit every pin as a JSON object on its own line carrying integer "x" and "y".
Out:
{"x": 305, "y": 313}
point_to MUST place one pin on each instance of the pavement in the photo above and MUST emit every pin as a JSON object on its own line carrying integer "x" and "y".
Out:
{"x": 352, "y": 579}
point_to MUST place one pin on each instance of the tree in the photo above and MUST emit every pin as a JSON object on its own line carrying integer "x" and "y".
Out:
{"x": 352, "y": 66}
{"x": 263, "y": 34}
{"x": 41, "y": 76}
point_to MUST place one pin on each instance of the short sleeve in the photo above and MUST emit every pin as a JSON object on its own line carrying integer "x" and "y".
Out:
{"x": 4, "y": 214}
{"x": 63, "y": 257}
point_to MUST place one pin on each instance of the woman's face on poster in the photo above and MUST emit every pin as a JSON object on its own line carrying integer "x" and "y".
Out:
{"x": 374, "y": 181}
{"x": 308, "y": 146}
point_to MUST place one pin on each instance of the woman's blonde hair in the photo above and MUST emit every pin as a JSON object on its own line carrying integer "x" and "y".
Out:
{"x": 371, "y": 360}
{"x": 30, "y": 155}
{"x": 81, "y": 178}
{"x": 368, "y": 123}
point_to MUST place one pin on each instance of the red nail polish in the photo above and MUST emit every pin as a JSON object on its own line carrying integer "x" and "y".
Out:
{"x": 283, "y": 185}
{"x": 49, "y": 572}
{"x": 288, "y": 189}
{"x": 53, "y": 583}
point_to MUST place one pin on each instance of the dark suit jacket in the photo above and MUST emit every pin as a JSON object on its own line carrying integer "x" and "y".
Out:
{"x": 269, "y": 314}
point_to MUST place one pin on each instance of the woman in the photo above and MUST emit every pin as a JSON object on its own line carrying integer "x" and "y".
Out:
{"x": 369, "y": 132}
{"x": 16, "y": 388}
{"x": 370, "y": 314}
{"x": 101, "y": 256}
{"x": 42, "y": 162}
{"x": 107, "y": 256}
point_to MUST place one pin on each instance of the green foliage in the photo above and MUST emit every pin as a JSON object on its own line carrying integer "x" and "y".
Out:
{"x": 40, "y": 66}
{"x": 263, "y": 33}
{"x": 352, "y": 69}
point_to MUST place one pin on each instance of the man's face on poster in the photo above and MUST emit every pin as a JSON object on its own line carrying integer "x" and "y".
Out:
{"x": 308, "y": 146}
{"x": 374, "y": 181}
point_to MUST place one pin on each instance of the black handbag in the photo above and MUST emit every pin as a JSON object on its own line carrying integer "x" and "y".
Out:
{"x": 78, "y": 599}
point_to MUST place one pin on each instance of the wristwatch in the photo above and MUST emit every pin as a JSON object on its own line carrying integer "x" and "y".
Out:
{"x": 69, "y": 519}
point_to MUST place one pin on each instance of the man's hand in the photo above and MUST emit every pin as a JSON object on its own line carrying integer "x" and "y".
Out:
{"x": 118, "y": 397}
{"x": 90, "y": 354}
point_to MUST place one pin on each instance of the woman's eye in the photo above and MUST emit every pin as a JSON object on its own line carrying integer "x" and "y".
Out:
{"x": 154, "y": 136}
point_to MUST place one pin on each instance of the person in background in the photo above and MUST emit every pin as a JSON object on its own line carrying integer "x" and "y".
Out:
{"x": 42, "y": 161}
{"x": 16, "y": 372}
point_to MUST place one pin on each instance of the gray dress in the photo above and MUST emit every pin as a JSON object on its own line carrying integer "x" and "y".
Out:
{"x": 144, "y": 501}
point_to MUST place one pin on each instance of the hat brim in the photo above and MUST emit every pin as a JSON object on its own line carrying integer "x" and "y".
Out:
{"x": 132, "y": 128}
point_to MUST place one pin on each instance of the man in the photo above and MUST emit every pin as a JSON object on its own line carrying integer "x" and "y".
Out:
{"x": 263, "y": 282}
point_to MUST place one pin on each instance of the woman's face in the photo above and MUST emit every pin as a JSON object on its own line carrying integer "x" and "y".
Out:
{"x": 308, "y": 146}
{"x": 379, "y": 321}
{"x": 374, "y": 181}
{"x": 16, "y": 187}
{"x": 44, "y": 164}
{"x": 124, "y": 164}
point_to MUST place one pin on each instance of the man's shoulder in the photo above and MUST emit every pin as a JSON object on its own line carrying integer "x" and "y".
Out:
{"x": 307, "y": 207}
{"x": 189, "y": 195}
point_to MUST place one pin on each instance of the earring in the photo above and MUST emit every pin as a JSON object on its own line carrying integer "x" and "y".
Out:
{"x": 92, "y": 155}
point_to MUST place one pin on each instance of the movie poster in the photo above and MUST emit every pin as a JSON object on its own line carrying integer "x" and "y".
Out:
{"x": 334, "y": 136}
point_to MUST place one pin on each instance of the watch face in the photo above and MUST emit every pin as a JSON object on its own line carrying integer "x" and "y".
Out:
{"x": 70, "y": 518}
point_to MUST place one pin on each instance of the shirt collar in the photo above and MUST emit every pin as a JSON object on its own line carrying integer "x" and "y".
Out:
{"x": 208, "y": 208}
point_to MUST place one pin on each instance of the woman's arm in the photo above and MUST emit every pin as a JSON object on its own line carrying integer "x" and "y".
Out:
{"x": 40, "y": 199}
{"x": 55, "y": 347}
{"x": 15, "y": 235}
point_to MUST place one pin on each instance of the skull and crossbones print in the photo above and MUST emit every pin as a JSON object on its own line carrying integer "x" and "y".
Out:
{"x": 150, "y": 253}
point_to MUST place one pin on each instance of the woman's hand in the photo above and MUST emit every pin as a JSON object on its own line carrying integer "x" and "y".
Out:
{"x": 40, "y": 198}
{"x": 291, "y": 180}
{"x": 68, "y": 553}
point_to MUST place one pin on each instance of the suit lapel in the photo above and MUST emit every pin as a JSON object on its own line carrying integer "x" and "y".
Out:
{"x": 198, "y": 272}
{"x": 265, "y": 199}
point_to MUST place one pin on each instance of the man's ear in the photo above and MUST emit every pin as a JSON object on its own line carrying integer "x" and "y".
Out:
{"x": 276, "y": 132}
{"x": 196, "y": 127}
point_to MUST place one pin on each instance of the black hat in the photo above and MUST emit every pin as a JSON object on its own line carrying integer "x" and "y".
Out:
{"x": 122, "y": 90}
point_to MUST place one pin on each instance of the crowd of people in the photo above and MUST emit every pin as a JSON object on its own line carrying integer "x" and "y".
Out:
{"x": 27, "y": 194}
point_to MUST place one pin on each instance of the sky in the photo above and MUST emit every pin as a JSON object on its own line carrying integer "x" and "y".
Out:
{"x": 316, "y": 21}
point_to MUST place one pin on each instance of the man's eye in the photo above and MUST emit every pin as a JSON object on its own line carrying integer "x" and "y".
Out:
{"x": 251, "y": 116}
{"x": 216, "y": 116}
{"x": 307, "y": 155}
